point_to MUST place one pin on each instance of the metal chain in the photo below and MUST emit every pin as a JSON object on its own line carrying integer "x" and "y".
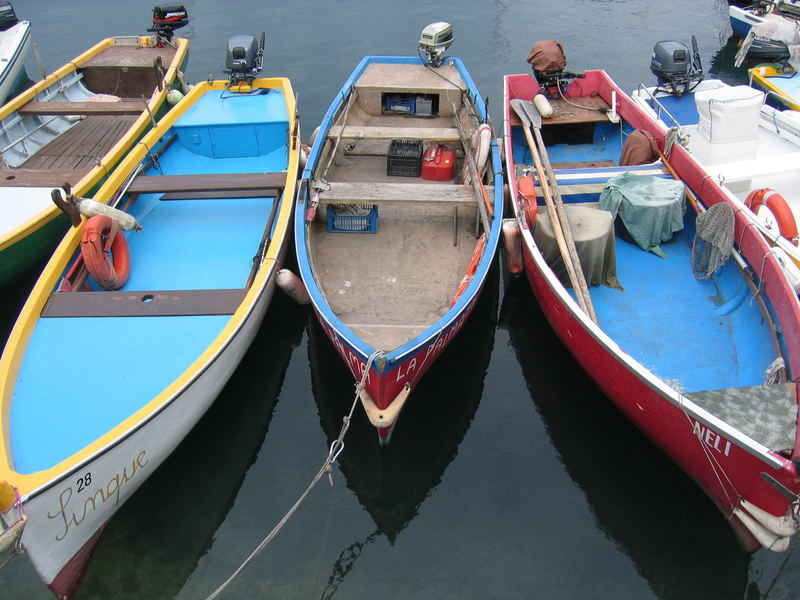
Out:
{"x": 333, "y": 453}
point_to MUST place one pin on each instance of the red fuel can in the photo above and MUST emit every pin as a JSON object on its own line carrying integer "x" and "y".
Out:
{"x": 438, "y": 162}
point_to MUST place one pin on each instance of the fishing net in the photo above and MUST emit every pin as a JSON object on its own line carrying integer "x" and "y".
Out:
{"x": 713, "y": 240}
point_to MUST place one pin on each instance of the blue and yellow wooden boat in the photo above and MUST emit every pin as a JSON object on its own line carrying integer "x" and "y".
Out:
{"x": 100, "y": 385}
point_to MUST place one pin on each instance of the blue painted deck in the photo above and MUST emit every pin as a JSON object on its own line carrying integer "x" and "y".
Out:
{"x": 695, "y": 335}
{"x": 120, "y": 363}
{"x": 683, "y": 109}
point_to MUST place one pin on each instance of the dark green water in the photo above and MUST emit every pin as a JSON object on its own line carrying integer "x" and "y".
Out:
{"x": 510, "y": 475}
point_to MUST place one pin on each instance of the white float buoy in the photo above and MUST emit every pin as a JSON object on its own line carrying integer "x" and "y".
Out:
{"x": 292, "y": 286}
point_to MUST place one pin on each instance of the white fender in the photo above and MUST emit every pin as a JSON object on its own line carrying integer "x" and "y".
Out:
{"x": 769, "y": 540}
{"x": 174, "y": 96}
{"x": 513, "y": 246}
{"x": 304, "y": 152}
{"x": 543, "y": 105}
{"x": 481, "y": 141}
{"x": 789, "y": 267}
{"x": 313, "y": 136}
{"x": 92, "y": 208}
{"x": 292, "y": 286}
{"x": 781, "y": 526}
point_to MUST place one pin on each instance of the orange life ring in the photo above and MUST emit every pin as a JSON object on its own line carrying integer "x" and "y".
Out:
{"x": 105, "y": 252}
{"x": 527, "y": 189}
{"x": 778, "y": 207}
{"x": 477, "y": 254}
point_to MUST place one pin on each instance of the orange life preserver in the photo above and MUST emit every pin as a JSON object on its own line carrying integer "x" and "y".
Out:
{"x": 105, "y": 252}
{"x": 778, "y": 207}
{"x": 527, "y": 189}
{"x": 477, "y": 254}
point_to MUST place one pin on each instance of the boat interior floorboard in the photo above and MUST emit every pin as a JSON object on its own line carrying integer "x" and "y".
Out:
{"x": 82, "y": 144}
{"x": 681, "y": 328}
{"x": 390, "y": 286}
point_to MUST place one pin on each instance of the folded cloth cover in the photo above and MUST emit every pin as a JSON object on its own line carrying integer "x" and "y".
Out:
{"x": 651, "y": 207}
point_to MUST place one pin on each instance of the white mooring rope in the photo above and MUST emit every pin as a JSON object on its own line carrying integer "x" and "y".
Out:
{"x": 336, "y": 448}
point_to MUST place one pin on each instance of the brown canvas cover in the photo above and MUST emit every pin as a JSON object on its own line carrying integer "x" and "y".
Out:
{"x": 640, "y": 149}
{"x": 547, "y": 56}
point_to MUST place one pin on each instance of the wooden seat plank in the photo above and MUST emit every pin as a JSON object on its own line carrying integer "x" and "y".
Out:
{"x": 154, "y": 303}
{"x": 82, "y": 108}
{"x": 40, "y": 177}
{"x": 150, "y": 184}
{"x": 227, "y": 195}
{"x": 381, "y": 193}
{"x": 440, "y": 134}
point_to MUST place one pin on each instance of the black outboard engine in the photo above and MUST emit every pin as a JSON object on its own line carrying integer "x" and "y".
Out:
{"x": 8, "y": 18}
{"x": 166, "y": 19}
{"x": 243, "y": 58}
{"x": 677, "y": 71}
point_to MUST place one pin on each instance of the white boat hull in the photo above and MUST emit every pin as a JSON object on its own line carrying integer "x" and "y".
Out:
{"x": 66, "y": 517}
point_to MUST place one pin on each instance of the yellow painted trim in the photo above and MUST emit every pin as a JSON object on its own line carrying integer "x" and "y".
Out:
{"x": 761, "y": 74}
{"x": 20, "y": 334}
{"x": 114, "y": 155}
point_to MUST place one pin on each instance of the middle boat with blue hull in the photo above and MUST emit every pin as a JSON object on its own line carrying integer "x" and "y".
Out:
{"x": 394, "y": 240}
{"x": 158, "y": 319}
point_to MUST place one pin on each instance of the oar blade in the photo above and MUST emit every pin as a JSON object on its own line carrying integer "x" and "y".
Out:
{"x": 518, "y": 106}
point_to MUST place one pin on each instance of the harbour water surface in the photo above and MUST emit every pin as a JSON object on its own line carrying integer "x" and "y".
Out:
{"x": 510, "y": 475}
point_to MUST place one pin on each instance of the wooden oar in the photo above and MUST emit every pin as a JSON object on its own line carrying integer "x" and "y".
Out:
{"x": 477, "y": 182}
{"x": 555, "y": 208}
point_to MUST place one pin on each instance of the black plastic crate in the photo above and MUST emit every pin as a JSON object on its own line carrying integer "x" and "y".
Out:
{"x": 405, "y": 158}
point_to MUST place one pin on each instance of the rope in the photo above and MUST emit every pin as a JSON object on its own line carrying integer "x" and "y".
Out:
{"x": 333, "y": 453}
{"x": 716, "y": 467}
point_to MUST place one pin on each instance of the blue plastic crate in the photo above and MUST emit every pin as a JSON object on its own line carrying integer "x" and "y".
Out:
{"x": 401, "y": 104}
{"x": 354, "y": 218}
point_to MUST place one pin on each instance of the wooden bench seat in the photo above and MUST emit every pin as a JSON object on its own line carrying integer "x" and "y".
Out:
{"x": 155, "y": 303}
{"x": 439, "y": 134}
{"x": 135, "y": 107}
{"x": 151, "y": 184}
{"x": 382, "y": 193}
{"x": 41, "y": 177}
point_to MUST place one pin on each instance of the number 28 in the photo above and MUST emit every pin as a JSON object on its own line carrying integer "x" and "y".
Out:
{"x": 84, "y": 482}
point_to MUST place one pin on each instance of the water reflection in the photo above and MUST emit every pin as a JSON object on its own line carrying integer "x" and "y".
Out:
{"x": 155, "y": 541}
{"x": 722, "y": 64}
{"x": 646, "y": 505}
{"x": 392, "y": 482}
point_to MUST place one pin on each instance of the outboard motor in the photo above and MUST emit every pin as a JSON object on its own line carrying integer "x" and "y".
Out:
{"x": 243, "y": 58}
{"x": 8, "y": 18}
{"x": 166, "y": 19}
{"x": 434, "y": 41}
{"x": 677, "y": 71}
{"x": 547, "y": 59}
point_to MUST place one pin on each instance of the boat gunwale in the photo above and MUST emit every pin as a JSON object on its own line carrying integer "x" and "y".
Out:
{"x": 34, "y": 483}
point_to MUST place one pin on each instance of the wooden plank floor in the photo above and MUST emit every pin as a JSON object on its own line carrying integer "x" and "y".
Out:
{"x": 82, "y": 144}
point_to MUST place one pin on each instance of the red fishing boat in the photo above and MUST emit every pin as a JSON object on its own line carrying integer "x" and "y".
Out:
{"x": 694, "y": 337}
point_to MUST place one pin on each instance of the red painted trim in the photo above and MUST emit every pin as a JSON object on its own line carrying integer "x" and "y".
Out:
{"x": 70, "y": 577}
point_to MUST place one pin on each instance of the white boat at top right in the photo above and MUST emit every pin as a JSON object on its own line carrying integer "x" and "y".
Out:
{"x": 751, "y": 149}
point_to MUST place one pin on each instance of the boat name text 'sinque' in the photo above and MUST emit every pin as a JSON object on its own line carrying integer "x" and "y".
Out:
{"x": 111, "y": 490}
